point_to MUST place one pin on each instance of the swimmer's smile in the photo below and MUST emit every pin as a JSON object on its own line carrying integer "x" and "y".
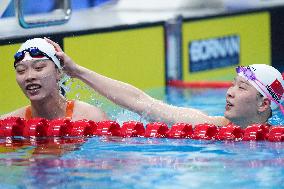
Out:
{"x": 33, "y": 89}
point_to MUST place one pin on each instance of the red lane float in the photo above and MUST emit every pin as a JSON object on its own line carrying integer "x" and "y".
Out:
{"x": 132, "y": 129}
{"x": 255, "y": 132}
{"x": 59, "y": 128}
{"x": 84, "y": 128}
{"x": 276, "y": 134}
{"x": 108, "y": 128}
{"x": 35, "y": 127}
{"x": 230, "y": 132}
{"x": 12, "y": 126}
{"x": 205, "y": 131}
{"x": 156, "y": 129}
{"x": 39, "y": 127}
{"x": 180, "y": 130}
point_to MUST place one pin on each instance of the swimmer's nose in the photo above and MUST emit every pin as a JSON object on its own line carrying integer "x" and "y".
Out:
{"x": 30, "y": 76}
{"x": 230, "y": 92}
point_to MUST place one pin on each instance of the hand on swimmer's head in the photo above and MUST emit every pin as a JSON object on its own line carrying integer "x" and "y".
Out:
{"x": 68, "y": 65}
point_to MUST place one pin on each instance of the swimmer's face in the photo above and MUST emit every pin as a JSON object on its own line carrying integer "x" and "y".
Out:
{"x": 37, "y": 78}
{"x": 241, "y": 101}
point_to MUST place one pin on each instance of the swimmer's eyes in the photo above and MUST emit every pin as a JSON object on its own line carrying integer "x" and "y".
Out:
{"x": 39, "y": 68}
{"x": 20, "y": 70}
{"x": 242, "y": 87}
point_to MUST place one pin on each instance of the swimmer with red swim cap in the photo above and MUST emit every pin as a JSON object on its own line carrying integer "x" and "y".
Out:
{"x": 256, "y": 91}
{"x": 39, "y": 75}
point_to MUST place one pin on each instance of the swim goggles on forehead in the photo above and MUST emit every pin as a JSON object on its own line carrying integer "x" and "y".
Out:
{"x": 34, "y": 53}
{"x": 248, "y": 73}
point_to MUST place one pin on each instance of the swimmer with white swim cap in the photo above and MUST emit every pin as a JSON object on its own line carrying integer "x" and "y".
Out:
{"x": 255, "y": 92}
{"x": 39, "y": 74}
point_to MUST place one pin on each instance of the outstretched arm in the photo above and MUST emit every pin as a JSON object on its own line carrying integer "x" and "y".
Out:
{"x": 133, "y": 98}
{"x": 136, "y": 100}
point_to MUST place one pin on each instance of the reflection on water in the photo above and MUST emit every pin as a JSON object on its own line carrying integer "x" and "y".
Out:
{"x": 113, "y": 162}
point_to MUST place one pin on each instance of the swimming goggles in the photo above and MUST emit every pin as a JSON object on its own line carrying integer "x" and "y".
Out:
{"x": 34, "y": 53}
{"x": 248, "y": 73}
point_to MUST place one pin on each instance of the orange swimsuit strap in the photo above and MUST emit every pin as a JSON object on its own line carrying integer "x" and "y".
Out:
{"x": 68, "y": 113}
{"x": 69, "y": 109}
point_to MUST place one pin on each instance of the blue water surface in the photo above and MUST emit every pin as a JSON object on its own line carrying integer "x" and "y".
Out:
{"x": 140, "y": 163}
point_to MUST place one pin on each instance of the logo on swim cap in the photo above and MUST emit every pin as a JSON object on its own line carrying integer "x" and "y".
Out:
{"x": 276, "y": 90}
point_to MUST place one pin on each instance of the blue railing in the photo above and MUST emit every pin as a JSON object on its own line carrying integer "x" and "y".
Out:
{"x": 43, "y": 6}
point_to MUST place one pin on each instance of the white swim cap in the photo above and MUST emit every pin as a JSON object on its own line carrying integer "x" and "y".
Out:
{"x": 50, "y": 51}
{"x": 269, "y": 82}
{"x": 43, "y": 46}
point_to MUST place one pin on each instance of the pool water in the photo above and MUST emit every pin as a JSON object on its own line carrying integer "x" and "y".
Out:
{"x": 140, "y": 163}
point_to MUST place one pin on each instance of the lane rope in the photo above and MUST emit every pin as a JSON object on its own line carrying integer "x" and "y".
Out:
{"x": 39, "y": 127}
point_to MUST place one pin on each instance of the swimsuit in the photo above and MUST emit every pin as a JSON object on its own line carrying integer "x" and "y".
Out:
{"x": 68, "y": 113}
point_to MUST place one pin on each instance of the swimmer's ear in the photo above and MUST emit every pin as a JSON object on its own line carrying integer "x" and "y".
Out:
{"x": 264, "y": 105}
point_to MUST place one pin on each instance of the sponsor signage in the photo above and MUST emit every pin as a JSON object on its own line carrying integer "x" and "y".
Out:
{"x": 212, "y": 53}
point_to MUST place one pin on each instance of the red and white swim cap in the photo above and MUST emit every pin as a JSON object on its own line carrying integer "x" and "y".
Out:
{"x": 269, "y": 82}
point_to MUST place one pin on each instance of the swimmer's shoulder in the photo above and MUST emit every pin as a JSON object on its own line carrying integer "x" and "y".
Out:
{"x": 17, "y": 113}
{"x": 83, "y": 110}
